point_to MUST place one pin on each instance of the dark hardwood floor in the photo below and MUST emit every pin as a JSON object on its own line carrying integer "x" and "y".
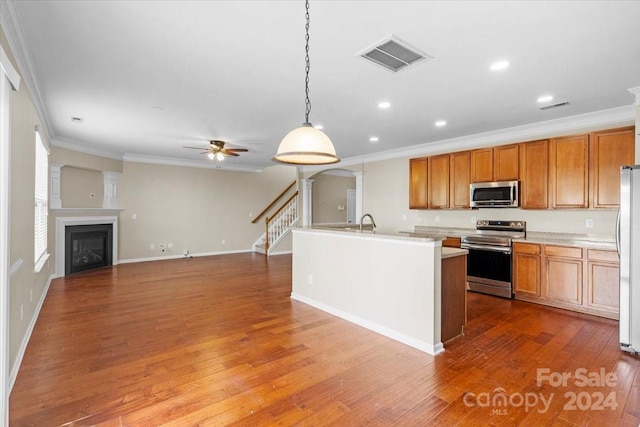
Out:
{"x": 218, "y": 341}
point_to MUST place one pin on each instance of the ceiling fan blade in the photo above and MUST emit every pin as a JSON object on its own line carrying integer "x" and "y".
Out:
{"x": 196, "y": 148}
{"x": 229, "y": 153}
{"x": 239, "y": 150}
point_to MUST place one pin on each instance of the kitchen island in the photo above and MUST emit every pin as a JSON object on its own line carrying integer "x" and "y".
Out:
{"x": 390, "y": 284}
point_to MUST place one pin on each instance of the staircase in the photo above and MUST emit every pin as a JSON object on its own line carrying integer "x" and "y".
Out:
{"x": 277, "y": 225}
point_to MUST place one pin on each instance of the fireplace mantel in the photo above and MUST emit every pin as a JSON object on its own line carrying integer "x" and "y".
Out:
{"x": 64, "y": 221}
{"x": 86, "y": 211}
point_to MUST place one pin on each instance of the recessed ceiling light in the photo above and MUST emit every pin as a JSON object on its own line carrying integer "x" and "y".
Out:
{"x": 374, "y": 139}
{"x": 545, "y": 98}
{"x": 384, "y": 105}
{"x": 319, "y": 127}
{"x": 499, "y": 65}
{"x": 441, "y": 123}
{"x": 77, "y": 119}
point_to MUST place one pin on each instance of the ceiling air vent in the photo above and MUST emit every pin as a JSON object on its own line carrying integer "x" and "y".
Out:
{"x": 559, "y": 104}
{"x": 394, "y": 54}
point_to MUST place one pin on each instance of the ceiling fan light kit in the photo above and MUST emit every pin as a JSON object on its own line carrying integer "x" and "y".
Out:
{"x": 306, "y": 145}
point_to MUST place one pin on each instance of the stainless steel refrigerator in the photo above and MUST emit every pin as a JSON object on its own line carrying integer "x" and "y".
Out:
{"x": 628, "y": 240}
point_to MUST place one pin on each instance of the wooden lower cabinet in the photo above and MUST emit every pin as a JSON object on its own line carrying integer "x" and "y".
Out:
{"x": 526, "y": 269}
{"x": 584, "y": 280}
{"x": 454, "y": 297}
{"x": 603, "y": 268}
{"x": 563, "y": 274}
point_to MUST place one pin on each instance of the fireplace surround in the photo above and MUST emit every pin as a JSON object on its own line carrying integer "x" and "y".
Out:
{"x": 64, "y": 222}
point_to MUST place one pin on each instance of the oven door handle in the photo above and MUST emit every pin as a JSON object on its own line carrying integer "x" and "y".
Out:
{"x": 503, "y": 249}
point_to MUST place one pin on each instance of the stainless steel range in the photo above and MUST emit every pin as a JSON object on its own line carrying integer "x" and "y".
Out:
{"x": 489, "y": 262}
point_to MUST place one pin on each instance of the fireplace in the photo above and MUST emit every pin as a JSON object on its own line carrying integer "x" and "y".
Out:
{"x": 87, "y": 247}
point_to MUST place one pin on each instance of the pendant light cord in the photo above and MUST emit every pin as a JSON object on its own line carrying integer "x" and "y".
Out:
{"x": 307, "y": 67}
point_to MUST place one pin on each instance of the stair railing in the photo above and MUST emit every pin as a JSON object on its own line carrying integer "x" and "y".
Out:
{"x": 272, "y": 204}
{"x": 278, "y": 224}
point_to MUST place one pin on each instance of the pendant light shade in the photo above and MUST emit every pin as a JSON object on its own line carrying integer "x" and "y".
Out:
{"x": 306, "y": 145}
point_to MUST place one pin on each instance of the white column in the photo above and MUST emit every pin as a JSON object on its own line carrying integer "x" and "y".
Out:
{"x": 55, "y": 195}
{"x": 110, "y": 200}
{"x": 359, "y": 194}
{"x": 307, "y": 202}
{"x": 636, "y": 92}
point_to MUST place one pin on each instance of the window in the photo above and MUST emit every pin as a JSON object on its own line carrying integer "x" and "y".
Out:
{"x": 41, "y": 203}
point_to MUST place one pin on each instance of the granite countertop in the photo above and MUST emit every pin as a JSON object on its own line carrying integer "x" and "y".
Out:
{"x": 588, "y": 241}
{"x": 453, "y": 252}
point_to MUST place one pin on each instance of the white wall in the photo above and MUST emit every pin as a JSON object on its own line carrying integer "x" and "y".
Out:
{"x": 193, "y": 208}
{"x": 391, "y": 286}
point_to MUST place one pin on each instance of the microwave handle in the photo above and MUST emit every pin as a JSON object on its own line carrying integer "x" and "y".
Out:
{"x": 513, "y": 193}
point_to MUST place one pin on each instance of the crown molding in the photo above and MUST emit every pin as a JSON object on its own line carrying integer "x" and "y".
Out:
{"x": 84, "y": 148}
{"x": 12, "y": 28}
{"x": 169, "y": 161}
{"x": 621, "y": 116}
{"x": 636, "y": 92}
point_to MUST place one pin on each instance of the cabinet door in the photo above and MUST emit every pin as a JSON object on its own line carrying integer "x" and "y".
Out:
{"x": 438, "y": 182}
{"x": 603, "y": 281}
{"x": 534, "y": 174}
{"x": 526, "y": 274}
{"x": 608, "y": 151}
{"x": 569, "y": 172}
{"x": 505, "y": 163}
{"x": 418, "y": 183}
{"x": 603, "y": 286}
{"x": 562, "y": 280}
{"x": 482, "y": 165}
{"x": 460, "y": 178}
{"x": 526, "y": 269}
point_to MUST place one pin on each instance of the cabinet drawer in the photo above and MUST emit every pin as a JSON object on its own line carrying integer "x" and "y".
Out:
{"x": 599, "y": 255}
{"x": 526, "y": 248}
{"x": 563, "y": 251}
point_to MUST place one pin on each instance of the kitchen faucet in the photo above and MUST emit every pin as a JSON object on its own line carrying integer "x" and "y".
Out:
{"x": 372, "y": 221}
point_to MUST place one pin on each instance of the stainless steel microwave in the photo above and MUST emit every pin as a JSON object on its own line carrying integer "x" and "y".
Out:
{"x": 504, "y": 194}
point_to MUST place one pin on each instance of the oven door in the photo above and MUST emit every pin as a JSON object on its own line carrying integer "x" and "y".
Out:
{"x": 490, "y": 268}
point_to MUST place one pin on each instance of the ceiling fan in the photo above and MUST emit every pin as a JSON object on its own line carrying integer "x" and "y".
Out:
{"x": 217, "y": 151}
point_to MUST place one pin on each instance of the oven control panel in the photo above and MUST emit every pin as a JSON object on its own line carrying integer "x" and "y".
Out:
{"x": 484, "y": 224}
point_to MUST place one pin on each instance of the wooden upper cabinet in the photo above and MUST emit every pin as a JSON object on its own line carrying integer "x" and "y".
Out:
{"x": 608, "y": 151}
{"x": 459, "y": 180}
{"x": 495, "y": 164}
{"x": 482, "y": 165}
{"x": 505, "y": 163}
{"x": 418, "y": 183}
{"x": 438, "y": 193}
{"x": 569, "y": 172}
{"x": 534, "y": 174}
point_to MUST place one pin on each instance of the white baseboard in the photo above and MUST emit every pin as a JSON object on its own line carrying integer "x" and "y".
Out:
{"x": 178, "y": 256}
{"x": 27, "y": 336}
{"x": 432, "y": 349}
{"x": 289, "y": 252}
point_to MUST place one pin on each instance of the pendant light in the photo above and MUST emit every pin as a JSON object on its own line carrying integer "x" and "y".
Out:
{"x": 306, "y": 145}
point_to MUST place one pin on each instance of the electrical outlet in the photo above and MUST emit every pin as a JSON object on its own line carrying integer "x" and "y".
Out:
{"x": 134, "y": 216}
{"x": 473, "y": 220}
{"x": 437, "y": 218}
{"x": 169, "y": 245}
{"x": 152, "y": 246}
{"x": 404, "y": 217}
{"x": 589, "y": 223}
{"x": 223, "y": 241}
{"x": 186, "y": 252}
{"x": 310, "y": 279}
